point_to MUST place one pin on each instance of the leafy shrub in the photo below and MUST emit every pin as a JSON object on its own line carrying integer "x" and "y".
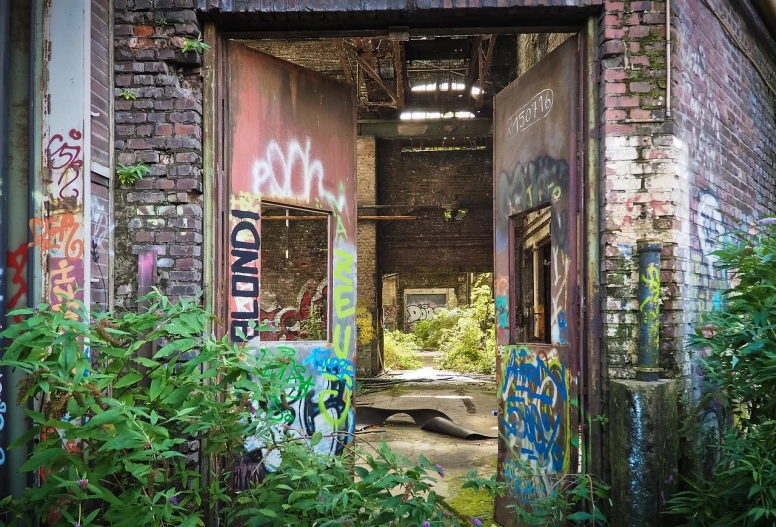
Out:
{"x": 128, "y": 174}
{"x": 564, "y": 500}
{"x": 400, "y": 351}
{"x": 429, "y": 332}
{"x": 468, "y": 345}
{"x": 311, "y": 489}
{"x": 119, "y": 460}
{"x": 112, "y": 429}
{"x": 740, "y": 372}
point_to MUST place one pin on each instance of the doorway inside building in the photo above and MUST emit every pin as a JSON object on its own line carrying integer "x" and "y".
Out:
{"x": 386, "y": 261}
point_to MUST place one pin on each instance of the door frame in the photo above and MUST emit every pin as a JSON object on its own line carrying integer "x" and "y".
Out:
{"x": 592, "y": 382}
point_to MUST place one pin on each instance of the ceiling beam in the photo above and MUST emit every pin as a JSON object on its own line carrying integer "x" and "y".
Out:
{"x": 371, "y": 72}
{"x": 473, "y": 69}
{"x": 399, "y": 73}
{"x": 485, "y": 70}
{"x": 399, "y": 129}
{"x": 343, "y": 60}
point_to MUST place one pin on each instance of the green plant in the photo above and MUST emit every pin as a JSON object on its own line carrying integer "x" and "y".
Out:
{"x": 197, "y": 44}
{"x": 557, "y": 500}
{"x": 311, "y": 489}
{"x": 401, "y": 351}
{"x": 466, "y": 336}
{"x": 313, "y": 327}
{"x": 128, "y": 174}
{"x": 113, "y": 425}
{"x": 111, "y": 435}
{"x": 127, "y": 95}
{"x": 738, "y": 340}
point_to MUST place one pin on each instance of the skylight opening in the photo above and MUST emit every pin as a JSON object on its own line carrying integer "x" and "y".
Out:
{"x": 427, "y": 116}
{"x": 445, "y": 86}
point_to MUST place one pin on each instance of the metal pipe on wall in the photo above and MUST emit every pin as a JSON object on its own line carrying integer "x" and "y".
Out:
{"x": 649, "y": 310}
{"x": 5, "y": 373}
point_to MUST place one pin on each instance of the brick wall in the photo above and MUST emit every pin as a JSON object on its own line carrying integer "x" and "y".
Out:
{"x": 367, "y": 314}
{"x": 435, "y": 178}
{"x": 158, "y": 116}
{"x": 639, "y": 185}
{"x": 725, "y": 118}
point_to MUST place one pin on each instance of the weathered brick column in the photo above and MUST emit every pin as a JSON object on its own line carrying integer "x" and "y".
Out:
{"x": 158, "y": 92}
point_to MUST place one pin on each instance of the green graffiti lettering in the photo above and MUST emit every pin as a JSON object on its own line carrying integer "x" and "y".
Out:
{"x": 342, "y": 352}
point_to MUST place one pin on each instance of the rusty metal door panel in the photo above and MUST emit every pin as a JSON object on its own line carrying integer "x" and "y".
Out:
{"x": 535, "y": 152}
{"x": 291, "y": 140}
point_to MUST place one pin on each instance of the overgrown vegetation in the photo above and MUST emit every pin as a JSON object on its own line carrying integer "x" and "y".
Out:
{"x": 738, "y": 351}
{"x": 114, "y": 429}
{"x": 400, "y": 350}
{"x": 466, "y": 336}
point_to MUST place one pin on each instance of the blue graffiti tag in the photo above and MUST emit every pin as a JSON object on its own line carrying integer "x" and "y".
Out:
{"x": 533, "y": 392}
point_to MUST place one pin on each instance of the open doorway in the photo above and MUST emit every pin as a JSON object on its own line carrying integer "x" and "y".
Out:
{"x": 425, "y": 194}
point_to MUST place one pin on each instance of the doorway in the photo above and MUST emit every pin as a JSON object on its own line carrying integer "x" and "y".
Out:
{"x": 419, "y": 97}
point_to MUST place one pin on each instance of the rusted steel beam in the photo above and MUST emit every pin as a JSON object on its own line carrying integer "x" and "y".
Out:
{"x": 399, "y": 75}
{"x": 343, "y": 60}
{"x": 326, "y": 216}
{"x": 485, "y": 70}
{"x": 371, "y": 72}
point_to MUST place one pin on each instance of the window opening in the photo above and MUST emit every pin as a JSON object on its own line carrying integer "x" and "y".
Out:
{"x": 294, "y": 273}
{"x": 533, "y": 269}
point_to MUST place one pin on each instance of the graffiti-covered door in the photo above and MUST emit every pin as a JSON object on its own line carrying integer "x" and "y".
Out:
{"x": 535, "y": 215}
{"x": 291, "y": 139}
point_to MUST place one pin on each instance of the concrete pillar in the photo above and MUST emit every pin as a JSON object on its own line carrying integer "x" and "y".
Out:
{"x": 644, "y": 445}
{"x": 367, "y": 315}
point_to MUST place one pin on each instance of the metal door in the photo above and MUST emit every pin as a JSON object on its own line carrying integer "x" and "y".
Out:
{"x": 291, "y": 141}
{"x": 535, "y": 169}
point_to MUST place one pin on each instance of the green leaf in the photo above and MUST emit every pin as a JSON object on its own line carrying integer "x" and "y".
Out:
{"x": 43, "y": 458}
{"x": 157, "y": 385}
{"x": 176, "y": 345}
{"x": 128, "y": 379}
{"x": 316, "y": 438}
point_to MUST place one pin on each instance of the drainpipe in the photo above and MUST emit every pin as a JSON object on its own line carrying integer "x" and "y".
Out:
{"x": 649, "y": 309}
{"x": 5, "y": 373}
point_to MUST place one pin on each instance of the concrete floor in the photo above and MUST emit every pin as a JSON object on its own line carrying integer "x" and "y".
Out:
{"x": 467, "y": 400}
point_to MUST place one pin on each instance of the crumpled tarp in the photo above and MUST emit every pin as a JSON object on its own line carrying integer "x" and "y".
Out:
{"x": 425, "y": 418}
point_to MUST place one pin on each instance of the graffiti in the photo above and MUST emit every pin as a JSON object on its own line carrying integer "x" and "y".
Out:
{"x": 652, "y": 280}
{"x": 535, "y": 394}
{"x": 560, "y": 295}
{"x": 530, "y": 113}
{"x": 710, "y": 228}
{"x": 50, "y": 233}
{"x": 389, "y": 314}
{"x": 422, "y": 312}
{"x": 532, "y": 184}
{"x": 66, "y": 159}
{"x": 3, "y": 409}
{"x": 63, "y": 288}
{"x": 245, "y": 244}
{"x": 286, "y": 319}
{"x": 502, "y": 311}
{"x": 17, "y": 261}
{"x": 279, "y": 173}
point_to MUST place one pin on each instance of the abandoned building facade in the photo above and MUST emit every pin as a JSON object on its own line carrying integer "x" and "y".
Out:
{"x": 365, "y": 160}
